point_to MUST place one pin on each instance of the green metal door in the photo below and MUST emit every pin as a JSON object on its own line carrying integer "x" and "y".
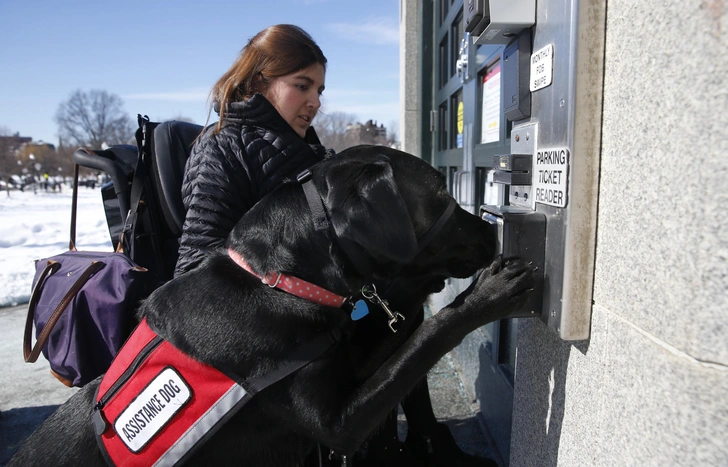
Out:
{"x": 468, "y": 128}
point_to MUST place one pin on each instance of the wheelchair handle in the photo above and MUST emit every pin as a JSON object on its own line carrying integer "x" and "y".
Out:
{"x": 105, "y": 161}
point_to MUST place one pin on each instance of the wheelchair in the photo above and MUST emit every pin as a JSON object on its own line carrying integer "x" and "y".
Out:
{"x": 164, "y": 149}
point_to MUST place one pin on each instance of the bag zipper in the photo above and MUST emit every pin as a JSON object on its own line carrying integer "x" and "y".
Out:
{"x": 101, "y": 253}
{"x": 127, "y": 260}
{"x": 100, "y": 423}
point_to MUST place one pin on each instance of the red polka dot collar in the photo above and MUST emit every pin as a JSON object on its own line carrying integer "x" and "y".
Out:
{"x": 292, "y": 285}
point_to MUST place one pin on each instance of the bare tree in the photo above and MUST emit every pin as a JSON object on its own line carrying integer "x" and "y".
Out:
{"x": 392, "y": 136}
{"x": 331, "y": 129}
{"x": 8, "y": 161}
{"x": 92, "y": 118}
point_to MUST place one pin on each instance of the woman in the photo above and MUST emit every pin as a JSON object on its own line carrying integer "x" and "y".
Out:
{"x": 266, "y": 102}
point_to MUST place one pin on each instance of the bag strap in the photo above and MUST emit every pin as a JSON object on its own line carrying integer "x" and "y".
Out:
{"x": 74, "y": 209}
{"x": 51, "y": 267}
{"x": 137, "y": 187}
{"x": 29, "y": 355}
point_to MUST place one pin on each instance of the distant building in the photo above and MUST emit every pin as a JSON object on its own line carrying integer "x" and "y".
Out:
{"x": 38, "y": 146}
{"x": 14, "y": 142}
{"x": 367, "y": 133}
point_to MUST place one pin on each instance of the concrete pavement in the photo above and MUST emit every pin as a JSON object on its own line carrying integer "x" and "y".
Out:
{"x": 29, "y": 394}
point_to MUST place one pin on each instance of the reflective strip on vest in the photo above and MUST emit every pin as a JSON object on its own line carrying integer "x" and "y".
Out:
{"x": 195, "y": 433}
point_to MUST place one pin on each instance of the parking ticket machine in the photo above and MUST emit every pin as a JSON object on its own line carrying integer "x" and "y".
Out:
{"x": 504, "y": 98}
{"x": 546, "y": 186}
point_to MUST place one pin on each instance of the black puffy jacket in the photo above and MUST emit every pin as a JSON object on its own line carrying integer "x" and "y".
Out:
{"x": 228, "y": 172}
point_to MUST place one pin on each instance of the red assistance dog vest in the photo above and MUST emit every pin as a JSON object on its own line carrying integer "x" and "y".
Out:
{"x": 155, "y": 404}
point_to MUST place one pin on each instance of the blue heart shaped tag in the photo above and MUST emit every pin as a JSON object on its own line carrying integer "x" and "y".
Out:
{"x": 360, "y": 310}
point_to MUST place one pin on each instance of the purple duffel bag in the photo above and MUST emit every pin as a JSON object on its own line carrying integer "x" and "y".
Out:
{"x": 83, "y": 306}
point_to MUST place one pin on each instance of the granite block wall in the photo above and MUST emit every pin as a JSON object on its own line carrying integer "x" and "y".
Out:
{"x": 650, "y": 387}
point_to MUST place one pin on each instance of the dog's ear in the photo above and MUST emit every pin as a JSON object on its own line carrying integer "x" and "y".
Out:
{"x": 366, "y": 207}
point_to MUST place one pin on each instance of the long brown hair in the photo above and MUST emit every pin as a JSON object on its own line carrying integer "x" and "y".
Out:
{"x": 274, "y": 52}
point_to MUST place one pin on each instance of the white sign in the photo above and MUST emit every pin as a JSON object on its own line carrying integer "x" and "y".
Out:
{"x": 165, "y": 395}
{"x": 542, "y": 68}
{"x": 551, "y": 176}
{"x": 491, "y": 111}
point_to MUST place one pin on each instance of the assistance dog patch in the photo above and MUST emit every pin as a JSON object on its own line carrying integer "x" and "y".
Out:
{"x": 152, "y": 409}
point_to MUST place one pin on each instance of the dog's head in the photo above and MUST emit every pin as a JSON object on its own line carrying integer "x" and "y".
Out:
{"x": 389, "y": 216}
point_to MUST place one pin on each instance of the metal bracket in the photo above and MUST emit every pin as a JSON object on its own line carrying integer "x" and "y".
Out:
{"x": 461, "y": 65}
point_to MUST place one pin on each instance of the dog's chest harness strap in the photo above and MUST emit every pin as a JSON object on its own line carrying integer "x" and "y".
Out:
{"x": 363, "y": 263}
{"x": 156, "y": 405}
{"x": 318, "y": 211}
{"x": 354, "y": 252}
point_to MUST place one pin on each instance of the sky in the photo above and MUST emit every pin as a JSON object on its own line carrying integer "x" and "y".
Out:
{"x": 163, "y": 56}
{"x": 34, "y": 226}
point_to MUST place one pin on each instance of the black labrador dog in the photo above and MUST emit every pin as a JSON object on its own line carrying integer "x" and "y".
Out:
{"x": 366, "y": 217}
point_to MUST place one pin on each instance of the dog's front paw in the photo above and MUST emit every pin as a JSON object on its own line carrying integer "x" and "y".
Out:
{"x": 501, "y": 289}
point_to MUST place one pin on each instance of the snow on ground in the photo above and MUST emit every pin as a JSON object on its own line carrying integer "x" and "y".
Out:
{"x": 34, "y": 226}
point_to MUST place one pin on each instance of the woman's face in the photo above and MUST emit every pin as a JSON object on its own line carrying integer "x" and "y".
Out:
{"x": 297, "y": 97}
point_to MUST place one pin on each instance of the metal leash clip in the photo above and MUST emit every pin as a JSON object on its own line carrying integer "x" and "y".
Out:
{"x": 370, "y": 293}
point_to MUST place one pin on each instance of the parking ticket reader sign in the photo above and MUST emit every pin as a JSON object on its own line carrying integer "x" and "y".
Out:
{"x": 551, "y": 172}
